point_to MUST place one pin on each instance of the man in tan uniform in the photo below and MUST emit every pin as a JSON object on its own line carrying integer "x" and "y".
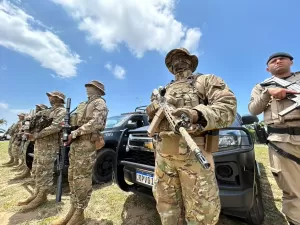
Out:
{"x": 88, "y": 121}
{"x": 284, "y": 135}
{"x": 184, "y": 191}
{"x": 47, "y": 142}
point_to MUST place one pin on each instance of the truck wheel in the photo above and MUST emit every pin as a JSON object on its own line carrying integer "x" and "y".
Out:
{"x": 256, "y": 214}
{"x": 103, "y": 167}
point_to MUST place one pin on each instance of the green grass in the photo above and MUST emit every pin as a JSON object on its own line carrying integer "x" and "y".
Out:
{"x": 109, "y": 205}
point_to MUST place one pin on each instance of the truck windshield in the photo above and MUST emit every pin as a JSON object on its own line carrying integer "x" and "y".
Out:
{"x": 115, "y": 121}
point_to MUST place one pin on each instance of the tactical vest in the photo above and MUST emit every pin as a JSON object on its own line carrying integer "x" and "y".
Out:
{"x": 76, "y": 117}
{"x": 182, "y": 94}
{"x": 276, "y": 106}
{"x": 84, "y": 113}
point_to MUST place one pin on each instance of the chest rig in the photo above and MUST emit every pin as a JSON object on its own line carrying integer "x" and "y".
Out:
{"x": 275, "y": 106}
{"x": 182, "y": 94}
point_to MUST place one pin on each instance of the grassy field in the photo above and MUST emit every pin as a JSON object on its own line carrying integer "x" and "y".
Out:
{"x": 109, "y": 205}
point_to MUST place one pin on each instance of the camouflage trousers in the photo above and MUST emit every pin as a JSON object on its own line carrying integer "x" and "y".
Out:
{"x": 16, "y": 149}
{"x": 23, "y": 148}
{"x": 185, "y": 193}
{"x": 34, "y": 163}
{"x": 45, "y": 153}
{"x": 9, "y": 150}
{"x": 82, "y": 157}
{"x": 285, "y": 172}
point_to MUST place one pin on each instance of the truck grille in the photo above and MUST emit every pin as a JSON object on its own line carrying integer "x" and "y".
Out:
{"x": 142, "y": 157}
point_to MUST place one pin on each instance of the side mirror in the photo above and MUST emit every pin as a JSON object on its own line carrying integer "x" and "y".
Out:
{"x": 131, "y": 125}
{"x": 249, "y": 119}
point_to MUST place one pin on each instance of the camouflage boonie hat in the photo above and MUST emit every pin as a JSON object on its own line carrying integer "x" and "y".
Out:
{"x": 22, "y": 114}
{"x": 168, "y": 59}
{"x": 97, "y": 85}
{"x": 42, "y": 106}
{"x": 57, "y": 94}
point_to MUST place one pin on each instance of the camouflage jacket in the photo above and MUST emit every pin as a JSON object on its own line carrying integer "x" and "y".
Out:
{"x": 93, "y": 119}
{"x": 57, "y": 114}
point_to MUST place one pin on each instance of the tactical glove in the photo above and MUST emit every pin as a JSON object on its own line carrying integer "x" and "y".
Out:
{"x": 191, "y": 113}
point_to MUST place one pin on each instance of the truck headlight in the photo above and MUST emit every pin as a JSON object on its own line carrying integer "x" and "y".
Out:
{"x": 229, "y": 139}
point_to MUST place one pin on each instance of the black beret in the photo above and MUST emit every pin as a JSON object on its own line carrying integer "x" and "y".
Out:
{"x": 278, "y": 54}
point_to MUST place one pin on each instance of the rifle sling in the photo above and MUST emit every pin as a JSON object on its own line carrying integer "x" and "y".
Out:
{"x": 284, "y": 153}
{"x": 285, "y": 130}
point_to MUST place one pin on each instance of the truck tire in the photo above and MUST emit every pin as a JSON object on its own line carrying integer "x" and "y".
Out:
{"x": 103, "y": 167}
{"x": 256, "y": 214}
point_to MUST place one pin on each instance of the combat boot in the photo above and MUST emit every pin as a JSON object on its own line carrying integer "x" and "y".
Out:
{"x": 13, "y": 163}
{"x": 24, "y": 174}
{"x": 40, "y": 199}
{"x": 64, "y": 220}
{"x": 29, "y": 199}
{"x": 77, "y": 218}
{"x": 9, "y": 162}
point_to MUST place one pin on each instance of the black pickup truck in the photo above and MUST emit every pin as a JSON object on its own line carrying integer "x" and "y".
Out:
{"x": 236, "y": 169}
{"x": 103, "y": 167}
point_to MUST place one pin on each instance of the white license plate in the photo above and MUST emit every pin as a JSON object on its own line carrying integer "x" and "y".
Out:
{"x": 145, "y": 177}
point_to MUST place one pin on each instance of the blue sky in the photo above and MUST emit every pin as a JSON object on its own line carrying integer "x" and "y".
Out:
{"x": 61, "y": 45}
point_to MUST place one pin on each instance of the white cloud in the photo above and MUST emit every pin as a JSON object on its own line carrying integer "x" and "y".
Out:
{"x": 142, "y": 27}
{"x": 3, "y": 105}
{"x": 118, "y": 71}
{"x": 18, "y": 34}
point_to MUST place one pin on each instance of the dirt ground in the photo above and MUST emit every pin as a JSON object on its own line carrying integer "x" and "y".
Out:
{"x": 111, "y": 206}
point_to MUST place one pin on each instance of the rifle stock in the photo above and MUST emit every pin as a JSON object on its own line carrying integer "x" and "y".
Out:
{"x": 294, "y": 86}
{"x": 178, "y": 126}
{"x": 63, "y": 149}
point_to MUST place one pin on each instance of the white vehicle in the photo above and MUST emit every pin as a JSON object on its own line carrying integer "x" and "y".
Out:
{"x": 2, "y": 136}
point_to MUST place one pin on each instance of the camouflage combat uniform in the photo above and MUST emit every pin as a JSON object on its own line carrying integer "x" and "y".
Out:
{"x": 25, "y": 143}
{"x": 89, "y": 119}
{"x": 43, "y": 110}
{"x": 47, "y": 142}
{"x": 184, "y": 191}
{"x": 284, "y": 170}
{"x": 16, "y": 144}
{"x": 10, "y": 131}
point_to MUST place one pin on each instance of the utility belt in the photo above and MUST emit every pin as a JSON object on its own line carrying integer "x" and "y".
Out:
{"x": 283, "y": 153}
{"x": 285, "y": 130}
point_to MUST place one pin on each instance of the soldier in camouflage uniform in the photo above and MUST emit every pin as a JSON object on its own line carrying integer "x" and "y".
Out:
{"x": 16, "y": 143}
{"x": 88, "y": 121}
{"x": 10, "y": 131}
{"x": 25, "y": 142}
{"x": 284, "y": 135}
{"x": 40, "y": 109}
{"x": 47, "y": 142}
{"x": 184, "y": 191}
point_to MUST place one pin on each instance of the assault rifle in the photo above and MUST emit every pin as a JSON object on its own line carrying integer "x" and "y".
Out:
{"x": 63, "y": 149}
{"x": 294, "y": 86}
{"x": 178, "y": 126}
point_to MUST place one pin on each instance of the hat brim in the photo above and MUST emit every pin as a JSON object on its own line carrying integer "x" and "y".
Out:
{"x": 53, "y": 95}
{"x": 168, "y": 59}
{"x": 92, "y": 85}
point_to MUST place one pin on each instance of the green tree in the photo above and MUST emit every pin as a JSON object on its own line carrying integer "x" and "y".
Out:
{"x": 3, "y": 122}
